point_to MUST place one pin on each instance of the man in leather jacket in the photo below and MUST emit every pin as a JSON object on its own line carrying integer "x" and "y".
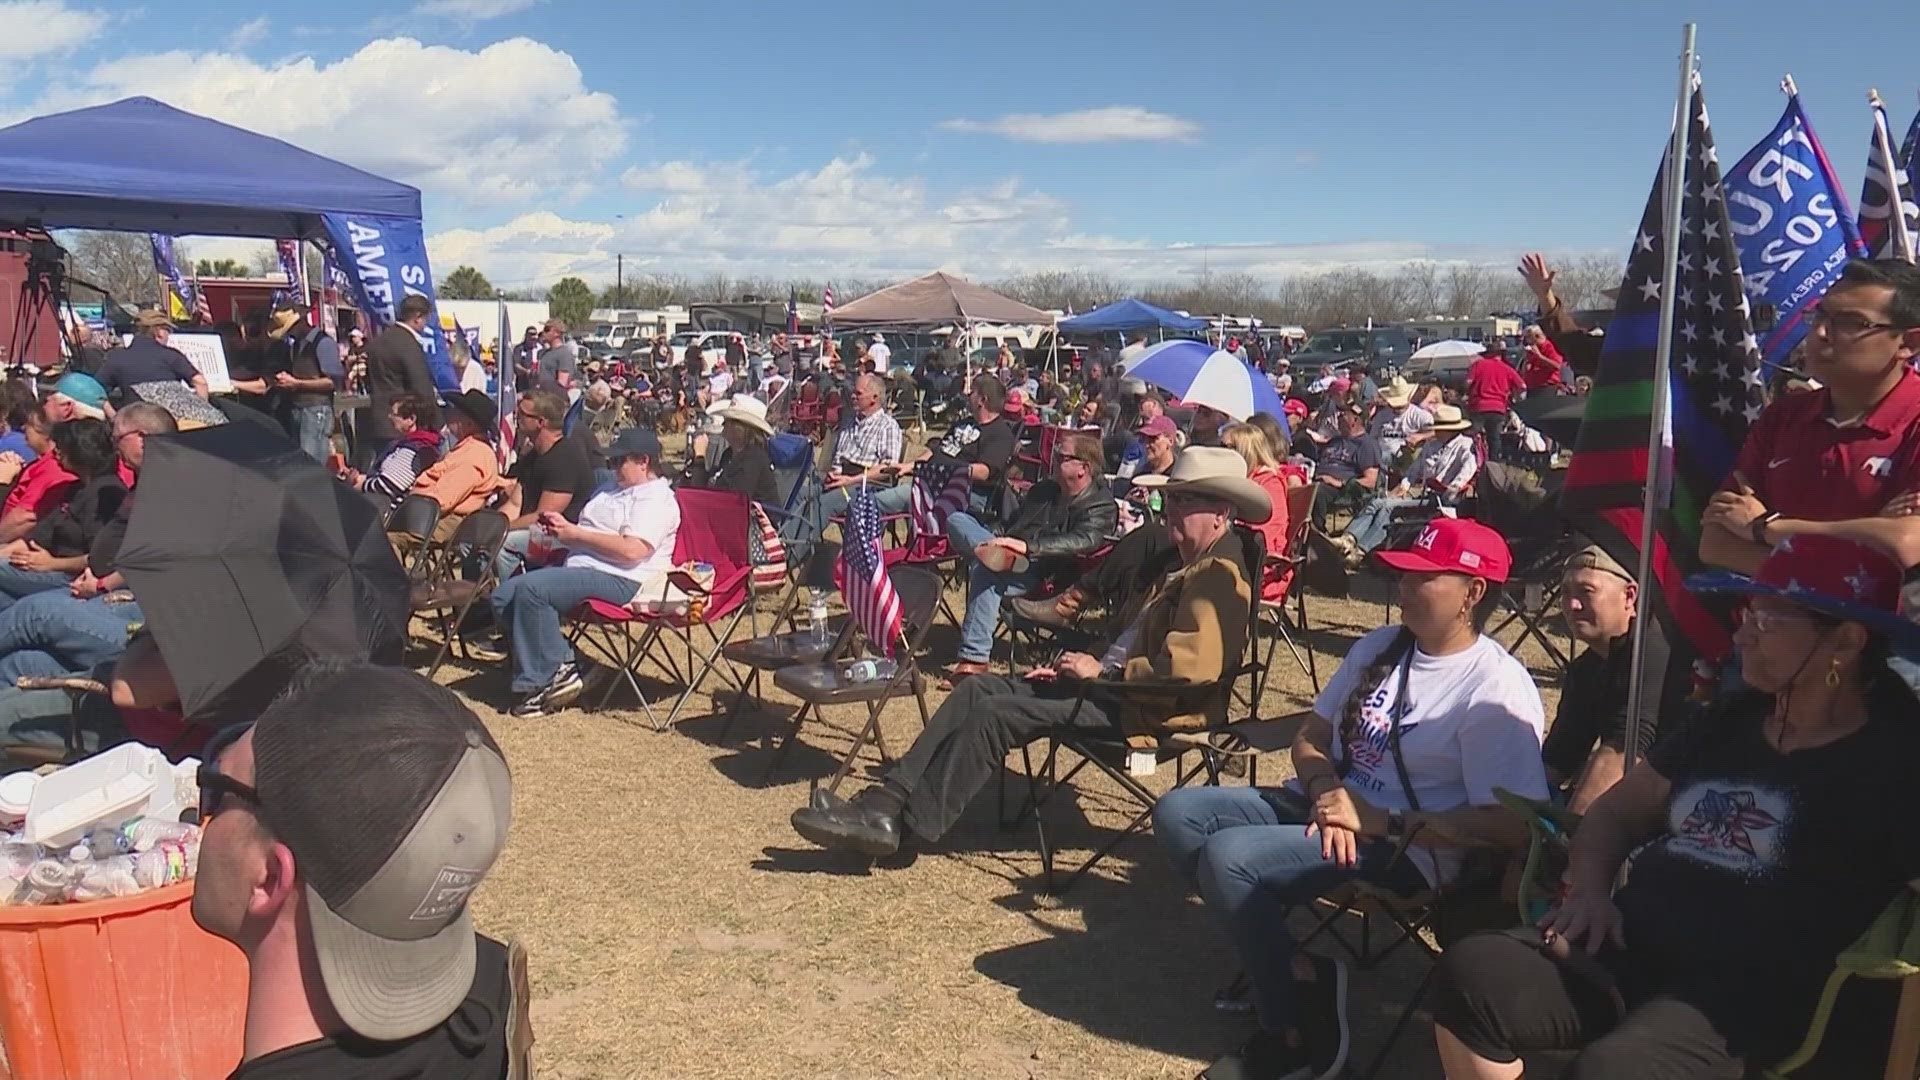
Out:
{"x": 1063, "y": 518}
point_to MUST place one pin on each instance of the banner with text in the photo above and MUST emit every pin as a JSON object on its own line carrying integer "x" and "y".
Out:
{"x": 385, "y": 260}
{"x": 1792, "y": 225}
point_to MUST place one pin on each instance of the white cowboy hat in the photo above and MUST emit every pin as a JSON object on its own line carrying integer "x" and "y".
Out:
{"x": 1220, "y": 473}
{"x": 1450, "y": 418}
{"x": 1397, "y": 393}
{"x": 748, "y": 410}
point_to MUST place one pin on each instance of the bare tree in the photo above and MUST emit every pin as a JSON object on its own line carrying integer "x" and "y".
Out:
{"x": 1583, "y": 279}
{"x": 119, "y": 262}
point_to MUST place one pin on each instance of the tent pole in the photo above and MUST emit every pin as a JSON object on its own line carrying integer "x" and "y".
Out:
{"x": 1674, "y": 192}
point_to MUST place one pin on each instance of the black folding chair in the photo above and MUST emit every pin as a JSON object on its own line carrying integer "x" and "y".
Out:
{"x": 411, "y": 523}
{"x": 776, "y": 650}
{"x": 1109, "y": 751}
{"x": 460, "y": 573}
{"x": 822, "y": 684}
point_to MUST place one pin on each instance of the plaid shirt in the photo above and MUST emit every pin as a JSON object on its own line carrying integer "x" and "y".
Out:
{"x": 872, "y": 440}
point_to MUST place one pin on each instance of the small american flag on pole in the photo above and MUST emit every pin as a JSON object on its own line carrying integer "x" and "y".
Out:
{"x": 871, "y": 601}
{"x": 937, "y": 494}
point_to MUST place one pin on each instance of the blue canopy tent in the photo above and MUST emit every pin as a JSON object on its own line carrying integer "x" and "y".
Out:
{"x": 140, "y": 165}
{"x": 1129, "y": 314}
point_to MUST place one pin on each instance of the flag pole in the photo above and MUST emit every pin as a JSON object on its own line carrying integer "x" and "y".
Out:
{"x": 1675, "y": 191}
{"x": 1883, "y": 148}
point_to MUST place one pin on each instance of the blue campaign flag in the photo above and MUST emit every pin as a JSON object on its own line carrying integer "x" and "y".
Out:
{"x": 385, "y": 259}
{"x": 1791, "y": 222}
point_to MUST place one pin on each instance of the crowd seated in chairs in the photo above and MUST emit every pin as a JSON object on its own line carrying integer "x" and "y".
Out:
{"x": 1440, "y": 476}
{"x": 1192, "y": 629}
{"x": 1396, "y": 770}
{"x": 1060, "y": 520}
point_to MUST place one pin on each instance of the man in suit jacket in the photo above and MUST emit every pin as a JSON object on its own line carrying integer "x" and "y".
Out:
{"x": 396, "y": 364}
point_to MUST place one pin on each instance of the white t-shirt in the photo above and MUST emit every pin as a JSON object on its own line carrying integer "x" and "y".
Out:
{"x": 1393, "y": 429}
{"x": 1131, "y": 353}
{"x": 648, "y": 511}
{"x": 879, "y": 353}
{"x": 474, "y": 377}
{"x": 1475, "y": 723}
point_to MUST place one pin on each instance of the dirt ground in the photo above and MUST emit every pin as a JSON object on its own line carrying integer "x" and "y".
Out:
{"x": 679, "y": 928}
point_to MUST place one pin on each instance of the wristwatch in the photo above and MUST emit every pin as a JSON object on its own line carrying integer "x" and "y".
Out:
{"x": 1396, "y": 824}
{"x": 1759, "y": 526}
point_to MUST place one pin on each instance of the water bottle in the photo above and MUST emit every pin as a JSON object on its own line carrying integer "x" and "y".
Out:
{"x": 145, "y": 833}
{"x": 46, "y": 883}
{"x": 871, "y": 669}
{"x": 17, "y": 857}
{"x": 817, "y": 616}
{"x": 106, "y": 878}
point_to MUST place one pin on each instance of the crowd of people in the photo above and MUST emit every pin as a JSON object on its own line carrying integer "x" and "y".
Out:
{"x": 1143, "y": 533}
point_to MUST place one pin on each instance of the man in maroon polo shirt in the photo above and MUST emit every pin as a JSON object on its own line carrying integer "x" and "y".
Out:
{"x": 1843, "y": 460}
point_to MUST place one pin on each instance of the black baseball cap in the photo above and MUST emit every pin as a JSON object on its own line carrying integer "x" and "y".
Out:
{"x": 395, "y": 802}
{"x": 635, "y": 442}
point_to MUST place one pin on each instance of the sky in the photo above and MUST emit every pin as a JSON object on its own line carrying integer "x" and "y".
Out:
{"x": 840, "y": 140}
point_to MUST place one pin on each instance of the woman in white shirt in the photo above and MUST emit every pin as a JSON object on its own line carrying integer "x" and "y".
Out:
{"x": 1409, "y": 740}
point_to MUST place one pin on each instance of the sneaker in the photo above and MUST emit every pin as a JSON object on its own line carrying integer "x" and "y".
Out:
{"x": 532, "y": 705}
{"x": 1322, "y": 1007}
{"x": 489, "y": 649}
{"x": 563, "y": 689}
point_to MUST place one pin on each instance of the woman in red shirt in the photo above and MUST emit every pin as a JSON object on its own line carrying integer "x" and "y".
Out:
{"x": 1541, "y": 369}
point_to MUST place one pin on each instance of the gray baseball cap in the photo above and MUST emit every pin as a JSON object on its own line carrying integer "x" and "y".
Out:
{"x": 395, "y": 802}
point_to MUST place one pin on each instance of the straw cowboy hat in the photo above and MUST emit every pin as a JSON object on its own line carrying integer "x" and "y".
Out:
{"x": 1217, "y": 472}
{"x": 1396, "y": 394}
{"x": 1449, "y": 418}
{"x": 748, "y": 410}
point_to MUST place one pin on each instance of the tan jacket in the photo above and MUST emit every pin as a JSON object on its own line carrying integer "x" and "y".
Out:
{"x": 1193, "y": 627}
{"x": 462, "y": 481}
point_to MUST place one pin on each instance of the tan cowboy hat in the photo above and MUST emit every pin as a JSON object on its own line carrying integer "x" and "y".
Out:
{"x": 1218, "y": 472}
{"x": 1450, "y": 418}
{"x": 750, "y": 411}
{"x": 1397, "y": 393}
{"x": 282, "y": 320}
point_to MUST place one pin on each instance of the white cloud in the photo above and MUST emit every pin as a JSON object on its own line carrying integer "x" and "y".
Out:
{"x": 511, "y": 122}
{"x": 31, "y": 28}
{"x": 473, "y": 10}
{"x": 248, "y": 34}
{"x": 847, "y": 220}
{"x": 1116, "y": 123}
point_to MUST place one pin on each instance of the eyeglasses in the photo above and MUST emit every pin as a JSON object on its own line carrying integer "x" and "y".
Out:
{"x": 215, "y": 784}
{"x": 1846, "y": 324}
{"x": 1766, "y": 621}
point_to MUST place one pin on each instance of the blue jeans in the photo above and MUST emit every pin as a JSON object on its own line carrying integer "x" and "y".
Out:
{"x": 513, "y": 553}
{"x": 985, "y": 588}
{"x": 529, "y": 609}
{"x": 313, "y": 427}
{"x": 1369, "y": 526}
{"x": 1252, "y": 862}
{"x": 51, "y": 633}
{"x": 16, "y": 583}
{"x": 892, "y": 499}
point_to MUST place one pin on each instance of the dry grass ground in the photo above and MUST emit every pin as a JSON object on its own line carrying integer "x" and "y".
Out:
{"x": 680, "y": 929}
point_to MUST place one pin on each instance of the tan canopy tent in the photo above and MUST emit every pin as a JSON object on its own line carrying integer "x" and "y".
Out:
{"x": 936, "y": 298}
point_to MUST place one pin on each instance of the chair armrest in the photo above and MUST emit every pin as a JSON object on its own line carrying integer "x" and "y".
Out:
{"x": 46, "y": 682}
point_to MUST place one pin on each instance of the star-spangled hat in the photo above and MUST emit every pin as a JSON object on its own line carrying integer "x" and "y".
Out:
{"x": 1845, "y": 579}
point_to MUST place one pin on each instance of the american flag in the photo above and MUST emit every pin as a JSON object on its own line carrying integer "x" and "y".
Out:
{"x": 938, "y": 492}
{"x": 289, "y": 252}
{"x": 1885, "y": 186}
{"x": 871, "y": 601}
{"x": 826, "y": 306}
{"x": 1714, "y": 392}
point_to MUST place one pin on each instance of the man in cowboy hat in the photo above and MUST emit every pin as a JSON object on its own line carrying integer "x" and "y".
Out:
{"x": 149, "y": 359}
{"x": 469, "y": 474}
{"x": 1193, "y": 627}
{"x": 304, "y": 372}
{"x": 1399, "y": 423}
{"x": 1439, "y": 476}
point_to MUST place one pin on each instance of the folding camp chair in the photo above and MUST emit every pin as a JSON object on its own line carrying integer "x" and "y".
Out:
{"x": 713, "y": 530}
{"x": 1110, "y": 752}
{"x": 448, "y": 595}
{"x": 1286, "y": 628}
{"x": 822, "y": 684}
{"x": 777, "y": 650}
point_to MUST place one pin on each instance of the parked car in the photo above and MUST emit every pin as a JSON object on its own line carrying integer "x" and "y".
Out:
{"x": 1383, "y": 347}
{"x": 712, "y": 344}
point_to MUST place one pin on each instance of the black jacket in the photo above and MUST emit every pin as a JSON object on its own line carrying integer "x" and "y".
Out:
{"x": 396, "y": 364}
{"x": 748, "y": 471}
{"x": 1056, "y": 527}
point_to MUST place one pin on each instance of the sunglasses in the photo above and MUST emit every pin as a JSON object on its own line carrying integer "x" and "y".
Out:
{"x": 214, "y": 784}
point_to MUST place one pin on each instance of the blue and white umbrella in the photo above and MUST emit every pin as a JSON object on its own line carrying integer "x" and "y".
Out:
{"x": 1199, "y": 374}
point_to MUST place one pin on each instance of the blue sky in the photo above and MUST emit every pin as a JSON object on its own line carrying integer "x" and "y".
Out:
{"x": 844, "y": 140}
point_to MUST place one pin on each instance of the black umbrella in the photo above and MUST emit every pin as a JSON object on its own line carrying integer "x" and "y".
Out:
{"x": 241, "y": 547}
{"x": 1557, "y": 416}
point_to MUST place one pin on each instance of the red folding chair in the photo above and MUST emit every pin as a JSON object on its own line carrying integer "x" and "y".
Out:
{"x": 713, "y": 529}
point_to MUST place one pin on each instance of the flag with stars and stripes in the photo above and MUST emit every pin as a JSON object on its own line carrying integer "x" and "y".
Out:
{"x": 826, "y": 310}
{"x": 864, "y": 583}
{"x": 1887, "y": 180}
{"x": 1714, "y": 392}
{"x": 938, "y": 493}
